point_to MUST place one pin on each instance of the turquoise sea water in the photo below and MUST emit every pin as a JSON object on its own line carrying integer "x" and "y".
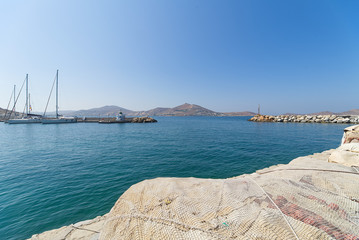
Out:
{"x": 55, "y": 175}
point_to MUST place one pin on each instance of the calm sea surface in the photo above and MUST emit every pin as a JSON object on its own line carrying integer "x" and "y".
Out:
{"x": 55, "y": 175}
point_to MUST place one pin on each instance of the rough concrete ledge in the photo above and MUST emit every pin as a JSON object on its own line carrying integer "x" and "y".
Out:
{"x": 89, "y": 229}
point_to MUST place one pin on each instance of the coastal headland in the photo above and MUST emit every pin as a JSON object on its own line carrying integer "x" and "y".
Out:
{"x": 312, "y": 197}
{"x": 353, "y": 119}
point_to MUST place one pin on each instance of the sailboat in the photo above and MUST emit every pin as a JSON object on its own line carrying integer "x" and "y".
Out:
{"x": 58, "y": 118}
{"x": 28, "y": 118}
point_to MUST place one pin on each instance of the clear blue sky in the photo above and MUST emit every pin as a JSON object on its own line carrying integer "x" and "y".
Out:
{"x": 289, "y": 56}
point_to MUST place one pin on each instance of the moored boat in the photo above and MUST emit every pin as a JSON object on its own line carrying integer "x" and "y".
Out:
{"x": 28, "y": 118}
{"x": 58, "y": 119}
{"x": 24, "y": 120}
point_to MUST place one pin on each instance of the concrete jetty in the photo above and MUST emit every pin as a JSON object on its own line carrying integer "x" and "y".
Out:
{"x": 115, "y": 120}
{"x": 312, "y": 197}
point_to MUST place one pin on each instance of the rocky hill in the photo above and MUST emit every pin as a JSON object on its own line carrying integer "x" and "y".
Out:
{"x": 324, "y": 113}
{"x": 103, "y": 111}
{"x": 233, "y": 114}
{"x": 346, "y": 113}
{"x": 181, "y": 110}
{"x": 350, "y": 112}
{"x": 159, "y": 111}
{"x": 2, "y": 112}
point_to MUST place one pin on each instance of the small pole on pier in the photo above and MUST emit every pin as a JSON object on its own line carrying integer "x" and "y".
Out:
{"x": 259, "y": 109}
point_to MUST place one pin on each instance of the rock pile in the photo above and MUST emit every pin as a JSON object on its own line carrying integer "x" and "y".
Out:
{"x": 348, "y": 153}
{"x": 351, "y": 135}
{"x": 143, "y": 120}
{"x": 306, "y": 118}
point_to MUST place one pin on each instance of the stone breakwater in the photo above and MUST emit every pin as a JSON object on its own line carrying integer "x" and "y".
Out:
{"x": 306, "y": 119}
{"x": 143, "y": 120}
{"x": 312, "y": 197}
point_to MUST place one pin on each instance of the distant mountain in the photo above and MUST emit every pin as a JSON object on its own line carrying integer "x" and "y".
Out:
{"x": 323, "y": 113}
{"x": 234, "y": 114}
{"x": 106, "y": 110}
{"x": 190, "y": 110}
{"x": 61, "y": 112}
{"x": 14, "y": 114}
{"x": 350, "y": 112}
{"x": 182, "y": 110}
{"x": 2, "y": 112}
{"x": 292, "y": 114}
{"x": 154, "y": 112}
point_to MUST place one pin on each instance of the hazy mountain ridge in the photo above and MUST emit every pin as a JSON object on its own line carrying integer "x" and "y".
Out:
{"x": 3, "y": 111}
{"x": 186, "y": 110}
{"x": 153, "y": 112}
{"x": 106, "y": 110}
{"x": 350, "y": 112}
{"x": 181, "y": 110}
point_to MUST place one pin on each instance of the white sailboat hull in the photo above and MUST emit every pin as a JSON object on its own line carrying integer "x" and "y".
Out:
{"x": 58, "y": 120}
{"x": 23, "y": 121}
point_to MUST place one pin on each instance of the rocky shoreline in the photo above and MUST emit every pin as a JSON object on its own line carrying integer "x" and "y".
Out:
{"x": 312, "y": 197}
{"x": 306, "y": 119}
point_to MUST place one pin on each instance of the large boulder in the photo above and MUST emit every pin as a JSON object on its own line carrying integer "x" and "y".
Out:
{"x": 348, "y": 153}
{"x": 351, "y": 134}
{"x": 85, "y": 230}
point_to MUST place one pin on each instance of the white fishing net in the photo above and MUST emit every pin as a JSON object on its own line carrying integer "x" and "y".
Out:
{"x": 307, "y": 199}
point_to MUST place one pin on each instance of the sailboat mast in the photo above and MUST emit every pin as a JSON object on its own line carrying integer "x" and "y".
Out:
{"x": 27, "y": 94}
{"x": 57, "y": 94}
{"x": 14, "y": 97}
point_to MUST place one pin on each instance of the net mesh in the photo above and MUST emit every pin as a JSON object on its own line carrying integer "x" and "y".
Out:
{"x": 306, "y": 199}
